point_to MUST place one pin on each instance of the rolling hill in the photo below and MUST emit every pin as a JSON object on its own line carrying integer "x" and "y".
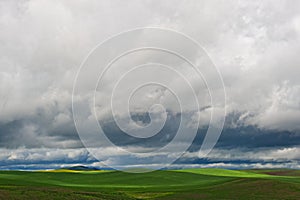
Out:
{"x": 164, "y": 184}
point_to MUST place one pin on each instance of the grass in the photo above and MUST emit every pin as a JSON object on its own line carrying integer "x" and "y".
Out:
{"x": 173, "y": 184}
{"x": 226, "y": 173}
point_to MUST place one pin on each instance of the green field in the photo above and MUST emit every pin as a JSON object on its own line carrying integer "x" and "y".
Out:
{"x": 172, "y": 184}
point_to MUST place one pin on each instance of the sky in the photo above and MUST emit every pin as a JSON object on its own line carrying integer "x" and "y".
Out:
{"x": 254, "y": 45}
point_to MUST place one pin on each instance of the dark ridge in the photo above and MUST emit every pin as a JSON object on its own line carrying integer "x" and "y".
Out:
{"x": 81, "y": 168}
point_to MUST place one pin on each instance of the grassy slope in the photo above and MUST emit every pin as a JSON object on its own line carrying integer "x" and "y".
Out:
{"x": 180, "y": 184}
{"x": 225, "y": 173}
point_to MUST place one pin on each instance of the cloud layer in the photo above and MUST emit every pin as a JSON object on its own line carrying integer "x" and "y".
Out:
{"x": 254, "y": 44}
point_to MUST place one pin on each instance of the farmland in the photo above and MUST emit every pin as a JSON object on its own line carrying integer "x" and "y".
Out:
{"x": 163, "y": 184}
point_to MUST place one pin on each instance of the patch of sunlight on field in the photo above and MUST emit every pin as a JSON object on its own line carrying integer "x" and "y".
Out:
{"x": 76, "y": 171}
{"x": 148, "y": 195}
{"x": 225, "y": 172}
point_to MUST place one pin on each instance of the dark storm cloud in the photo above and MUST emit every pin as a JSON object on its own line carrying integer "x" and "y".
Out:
{"x": 250, "y": 137}
{"x": 234, "y": 134}
{"x": 36, "y": 133}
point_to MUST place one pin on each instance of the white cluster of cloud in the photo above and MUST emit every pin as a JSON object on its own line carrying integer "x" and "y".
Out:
{"x": 254, "y": 44}
{"x": 279, "y": 154}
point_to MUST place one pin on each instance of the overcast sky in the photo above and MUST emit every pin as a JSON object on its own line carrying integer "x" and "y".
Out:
{"x": 254, "y": 44}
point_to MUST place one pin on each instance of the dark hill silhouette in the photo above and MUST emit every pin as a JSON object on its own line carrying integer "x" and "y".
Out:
{"x": 81, "y": 168}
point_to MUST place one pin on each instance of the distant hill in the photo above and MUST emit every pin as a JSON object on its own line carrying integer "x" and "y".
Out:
{"x": 81, "y": 168}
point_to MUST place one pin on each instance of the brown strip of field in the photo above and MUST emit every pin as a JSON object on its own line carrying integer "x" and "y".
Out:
{"x": 280, "y": 172}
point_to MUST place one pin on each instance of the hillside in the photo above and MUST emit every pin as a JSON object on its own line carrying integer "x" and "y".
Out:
{"x": 178, "y": 184}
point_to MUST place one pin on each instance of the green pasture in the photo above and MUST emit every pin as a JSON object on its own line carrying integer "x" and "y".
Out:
{"x": 163, "y": 184}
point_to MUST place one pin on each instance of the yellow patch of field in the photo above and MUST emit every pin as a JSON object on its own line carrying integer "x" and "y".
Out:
{"x": 75, "y": 171}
